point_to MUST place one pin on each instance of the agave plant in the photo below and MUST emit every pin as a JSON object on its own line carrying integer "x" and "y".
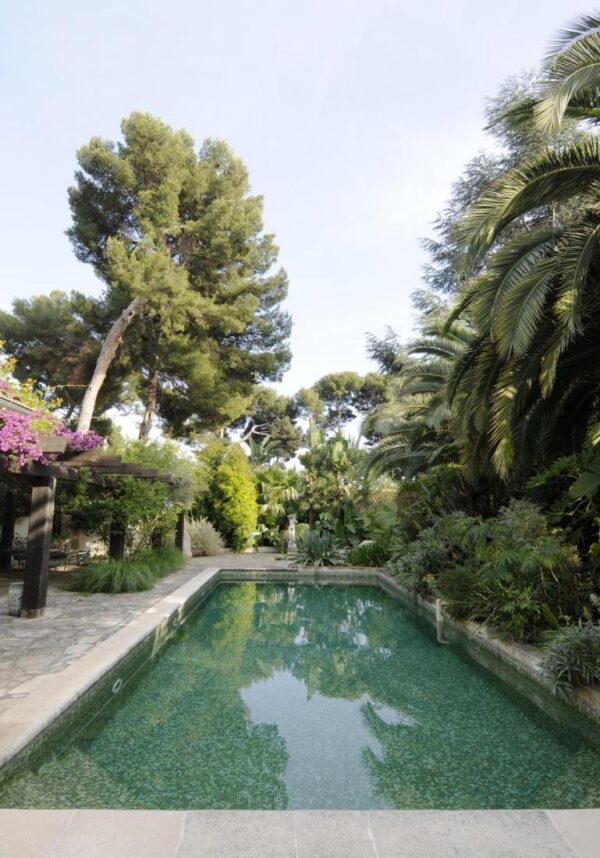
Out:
{"x": 318, "y": 548}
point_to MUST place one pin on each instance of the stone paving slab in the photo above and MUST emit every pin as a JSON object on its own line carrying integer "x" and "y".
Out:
{"x": 297, "y": 834}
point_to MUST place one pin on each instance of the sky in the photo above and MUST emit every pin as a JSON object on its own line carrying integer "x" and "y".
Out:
{"x": 353, "y": 118}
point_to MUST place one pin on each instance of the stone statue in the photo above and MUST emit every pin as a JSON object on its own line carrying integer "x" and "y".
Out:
{"x": 292, "y": 548}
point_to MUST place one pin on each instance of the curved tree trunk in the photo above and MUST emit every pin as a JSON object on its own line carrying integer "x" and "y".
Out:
{"x": 151, "y": 399}
{"x": 107, "y": 353}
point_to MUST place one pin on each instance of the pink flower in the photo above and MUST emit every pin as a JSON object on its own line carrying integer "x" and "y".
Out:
{"x": 19, "y": 441}
{"x": 79, "y": 441}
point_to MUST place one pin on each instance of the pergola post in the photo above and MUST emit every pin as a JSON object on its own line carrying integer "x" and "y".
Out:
{"x": 8, "y": 531}
{"x": 180, "y": 531}
{"x": 35, "y": 586}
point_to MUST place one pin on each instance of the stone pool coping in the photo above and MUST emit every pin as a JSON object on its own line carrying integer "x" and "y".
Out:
{"x": 299, "y": 834}
{"x": 494, "y": 653}
{"x": 48, "y": 696}
{"x": 51, "y": 696}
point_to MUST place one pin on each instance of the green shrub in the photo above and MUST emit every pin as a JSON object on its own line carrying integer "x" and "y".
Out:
{"x": 523, "y": 521}
{"x": 521, "y": 589}
{"x": 368, "y": 554}
{"x": 229, "y": 496}
{"x": 128, "y": 576}
{"x": 205, "y": 539}
{"x": 572, "y": 657}
{"x": 318, "y": 548}
{"x": 418, "y": 564}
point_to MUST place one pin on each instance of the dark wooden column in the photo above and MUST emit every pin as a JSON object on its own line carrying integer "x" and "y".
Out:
{"x": 8, "y": 531}
{"x": 35, "y": 587}
{"x": 116, "y": 542}
{"x": 180, "y": 531}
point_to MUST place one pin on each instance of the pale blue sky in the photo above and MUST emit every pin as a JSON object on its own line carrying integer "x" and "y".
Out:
{"x": 353, "y": 118}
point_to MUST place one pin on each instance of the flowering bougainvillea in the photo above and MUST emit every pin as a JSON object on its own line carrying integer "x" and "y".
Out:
{"x": 19, "y": 440}
{"x": 21, "y": 434}
{"x": 78, "y": 441}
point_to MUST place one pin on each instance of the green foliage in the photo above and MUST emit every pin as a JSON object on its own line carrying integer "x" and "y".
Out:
{"x": 508, "y": 571}
{"x": 131, "y": 575}
{"x": 55, "y": 339}
{"x": 419, "y": 563}
{"x": 340, "y": 397}
{"x": 515, "y": 575}
{"x": 318, "y": 548}
{"x": 414, "y": 425}
{"x": 268, "y": 426}
{"x": 205, "y": 539}
{"x": 572, "y": 657}
{"x": 368, "y": 553}
{"x": 331, "y": 478}
{"x": 140, "y": 507}
{"x": 229, "y": 496}
{"x": 277, "y": 500}
{"x": 178, "y": 229}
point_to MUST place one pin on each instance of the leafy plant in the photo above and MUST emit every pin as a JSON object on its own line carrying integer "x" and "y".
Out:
{"x": 277, "y": 499}
{"x": 318, "y": 548}
{"x": 142, "y": 508}
{"x": 520, "y": 586}
{"x": 572, "y": 657}
{"x": 128, "y": 576}
{"x": 229, "y": 496}
{"x": 368, "y": 553}
{"x": 205, "y": 539}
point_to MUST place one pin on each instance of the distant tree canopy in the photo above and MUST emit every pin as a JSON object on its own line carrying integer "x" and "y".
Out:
{"x": 55, "y": 341}
{"x": 270, "y": 421}
{"x": 340, "y": 397}
{"x": 178, "y": 240}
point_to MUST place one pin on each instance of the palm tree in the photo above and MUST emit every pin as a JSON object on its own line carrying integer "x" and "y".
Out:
{"x": 415, "y": 423}
{"x": 536, "y": 231}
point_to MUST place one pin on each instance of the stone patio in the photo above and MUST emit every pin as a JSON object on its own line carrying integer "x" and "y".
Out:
{"x": 73, "y": 623}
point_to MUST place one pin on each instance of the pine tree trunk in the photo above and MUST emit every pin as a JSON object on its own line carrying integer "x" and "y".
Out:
{"x": 151, "y": 399}
{"x": 107, "y": 353}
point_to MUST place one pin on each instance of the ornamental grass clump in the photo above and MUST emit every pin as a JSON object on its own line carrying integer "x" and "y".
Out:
{"x": 572, "y": 657}
{"x": 205, "y": 539}
{"x": 131, "y": 575}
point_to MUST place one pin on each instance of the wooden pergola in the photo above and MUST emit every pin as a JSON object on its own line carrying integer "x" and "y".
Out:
{"x": 43, "y": 479}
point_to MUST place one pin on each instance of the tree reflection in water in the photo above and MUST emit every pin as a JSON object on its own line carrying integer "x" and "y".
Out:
{"x": 274, "y": 696}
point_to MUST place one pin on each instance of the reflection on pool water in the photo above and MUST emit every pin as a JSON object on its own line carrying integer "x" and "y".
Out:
{"x": 276, "y": 696}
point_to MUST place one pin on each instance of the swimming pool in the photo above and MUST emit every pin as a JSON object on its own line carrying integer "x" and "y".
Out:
{"x": 275, "y": 696}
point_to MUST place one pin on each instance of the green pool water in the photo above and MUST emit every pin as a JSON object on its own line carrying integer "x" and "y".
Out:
{"x": 275, "y": 696}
